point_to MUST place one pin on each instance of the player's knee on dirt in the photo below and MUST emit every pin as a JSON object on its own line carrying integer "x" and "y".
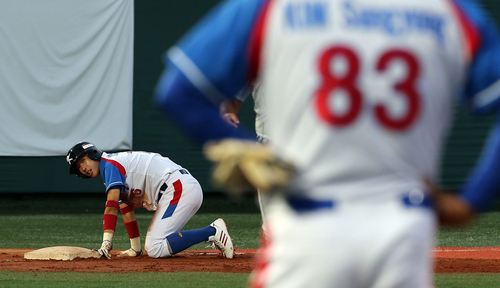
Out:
{"x": 157, "y": 248}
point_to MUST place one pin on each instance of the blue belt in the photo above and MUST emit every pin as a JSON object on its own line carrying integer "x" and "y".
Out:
{"x": 302, "y": 205}
{"x": 426, "y": 201}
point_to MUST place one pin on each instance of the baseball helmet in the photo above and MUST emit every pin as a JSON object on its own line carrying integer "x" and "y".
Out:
{"x": 79, "y": 150}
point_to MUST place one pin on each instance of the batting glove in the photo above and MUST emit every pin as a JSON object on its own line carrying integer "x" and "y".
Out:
{"x": 130, "y": 253}
{"x": 106, "y": 248}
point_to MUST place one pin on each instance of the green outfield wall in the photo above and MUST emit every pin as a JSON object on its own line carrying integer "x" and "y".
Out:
{"x": 158, "y": 25}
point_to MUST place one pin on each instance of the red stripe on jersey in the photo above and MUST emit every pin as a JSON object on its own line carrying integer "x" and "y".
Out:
{"x": 117, "y": 165}
{"x": 470, "y": 31}
{"x": 256, "y": 39}
{"x": 177, "y": 192}
{"x": 259, "y": 276}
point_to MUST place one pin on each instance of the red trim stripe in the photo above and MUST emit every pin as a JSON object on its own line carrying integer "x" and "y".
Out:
{"x": 173, "y": 203}
{"x": 259, "y": 277}
{"x": 472, "y": 35}
{"x": 177, "y": 192}
{"x": 256, "y": 39}
{"x": 117, "y": 165}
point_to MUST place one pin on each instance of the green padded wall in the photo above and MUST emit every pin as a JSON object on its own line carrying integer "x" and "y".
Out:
{"x": 158, "y": 25}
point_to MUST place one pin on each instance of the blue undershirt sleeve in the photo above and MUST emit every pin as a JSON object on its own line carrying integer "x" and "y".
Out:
{"x": 483, "y": 185}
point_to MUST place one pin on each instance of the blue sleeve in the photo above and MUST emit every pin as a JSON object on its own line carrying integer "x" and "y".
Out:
{"x": 483, "y": 88}
{"x": 483, "y": 185}
{"x": 111, "y": 176}
{"x": 218, "y": 46}
{"x": 192, "y": 111}
{"x": 208, "y": 65}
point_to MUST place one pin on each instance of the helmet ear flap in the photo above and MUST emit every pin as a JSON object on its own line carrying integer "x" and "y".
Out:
{"x": 94, "y": 153}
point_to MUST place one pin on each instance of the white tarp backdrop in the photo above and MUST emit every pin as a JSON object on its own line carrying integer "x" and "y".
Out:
{"x": 66, "y": 72}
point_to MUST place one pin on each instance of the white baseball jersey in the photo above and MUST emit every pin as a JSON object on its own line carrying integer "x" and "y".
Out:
{"x": 377, "y": 86}
{"x": 154, "y": 182}
{"x": 141, "y": 174}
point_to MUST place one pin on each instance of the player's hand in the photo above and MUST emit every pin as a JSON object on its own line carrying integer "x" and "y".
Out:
{"x": 232, "y": 119}
{"x": 130, "y": 253}
{"x": 106, "y": 249}
{"x": 451, "y": 209}
{"x": 246, "y": 165}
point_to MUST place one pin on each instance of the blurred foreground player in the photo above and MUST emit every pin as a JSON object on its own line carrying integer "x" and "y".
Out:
{"x": 148, "y": 180}
{"x": 359, "y": 96}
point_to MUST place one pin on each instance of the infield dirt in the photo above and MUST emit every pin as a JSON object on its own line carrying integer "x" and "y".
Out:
{"x": 448, "y": 260}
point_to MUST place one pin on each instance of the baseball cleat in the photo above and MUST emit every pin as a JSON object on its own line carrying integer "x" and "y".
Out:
{"x": 221, "y": 239}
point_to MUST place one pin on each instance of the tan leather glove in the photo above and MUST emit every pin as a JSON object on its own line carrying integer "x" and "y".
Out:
{"x": 243, "y": 165}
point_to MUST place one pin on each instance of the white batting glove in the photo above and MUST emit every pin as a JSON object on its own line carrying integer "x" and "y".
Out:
{"x": 130, "y": 253}
{"x": 106, "y": 248}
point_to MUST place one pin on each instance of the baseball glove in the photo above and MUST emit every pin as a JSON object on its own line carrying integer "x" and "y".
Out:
{"x": 246, "y": 165}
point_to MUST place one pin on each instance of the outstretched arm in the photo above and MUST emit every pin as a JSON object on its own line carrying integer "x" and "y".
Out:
{"x": 109, "y": 222}
{"x": 483, "y": 185}
{"x": 213, "y": 62}
{"x": 481, "y": 189}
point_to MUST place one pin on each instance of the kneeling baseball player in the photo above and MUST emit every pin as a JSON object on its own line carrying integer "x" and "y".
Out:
{"x": 148, "y": 180}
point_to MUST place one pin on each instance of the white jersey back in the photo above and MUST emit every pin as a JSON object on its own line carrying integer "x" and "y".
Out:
{"x": 367, "y": 112}
{"x": 144, "y": 173}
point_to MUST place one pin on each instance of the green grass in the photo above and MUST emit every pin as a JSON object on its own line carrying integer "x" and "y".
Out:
{"x": 189, "y": 279}
{"x": 483, "y": 280}
{"x": 37, "y": 221}
{"x": 85, "y": 230}
{"x": 483, "y": 232}
{"x": 122, "y": 280}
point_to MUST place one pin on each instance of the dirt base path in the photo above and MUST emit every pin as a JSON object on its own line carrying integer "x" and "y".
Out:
{"x": 204, "y": 261}
{"x": 448, "y": 260}
{"x": 467, "y": 260}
